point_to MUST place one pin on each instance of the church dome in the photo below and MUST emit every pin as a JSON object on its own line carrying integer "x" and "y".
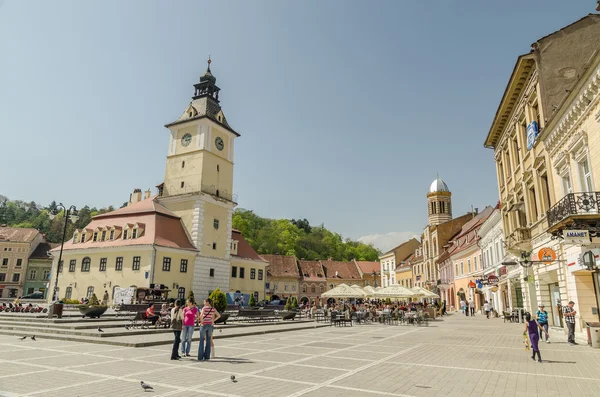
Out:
{"x": 438, "y": 186}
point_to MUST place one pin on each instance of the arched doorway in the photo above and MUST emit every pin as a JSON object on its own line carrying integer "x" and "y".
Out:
{"x": 304, "y": 300}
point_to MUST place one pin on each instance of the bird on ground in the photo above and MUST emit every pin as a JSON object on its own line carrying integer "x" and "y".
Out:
{"x": 220, "y": 330}
{"x": 23, "y": 338}
{"x": 127, "y": 327}
{"x": 33, "y": 337}
{"x": 100, "y": 329}
{"x": 145, "y": 386}
{"x": 233, "y": 379}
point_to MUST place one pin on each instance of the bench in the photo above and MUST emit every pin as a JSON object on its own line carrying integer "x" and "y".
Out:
{"x": 140, "y": 320}
{"x": 257, "y": 315}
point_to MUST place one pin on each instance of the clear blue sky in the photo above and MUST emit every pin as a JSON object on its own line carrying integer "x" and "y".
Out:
{"x": 347, "y": 109}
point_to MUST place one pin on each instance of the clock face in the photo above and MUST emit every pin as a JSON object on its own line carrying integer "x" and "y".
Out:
{"x": 219, "y": 143}
{"x": 186, "y": 139}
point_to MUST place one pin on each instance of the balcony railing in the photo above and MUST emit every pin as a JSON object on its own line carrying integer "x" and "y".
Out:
{"x": 519, "y": 237}
{"x": 573, "y": 204}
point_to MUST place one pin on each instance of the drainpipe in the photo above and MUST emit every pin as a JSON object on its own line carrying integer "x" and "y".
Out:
{"x": 152, "y": 265}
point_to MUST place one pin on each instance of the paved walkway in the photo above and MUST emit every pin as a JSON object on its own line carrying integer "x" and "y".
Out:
{"x": 460, "y": 356}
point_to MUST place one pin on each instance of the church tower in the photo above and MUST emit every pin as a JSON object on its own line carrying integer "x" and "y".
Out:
{"x": 439, "y": 203}
{"x": 198, "y": 184}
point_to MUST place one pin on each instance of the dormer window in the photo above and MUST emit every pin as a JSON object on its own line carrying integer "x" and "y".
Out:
{"x": 82, "y": 238}
{"x": 112, "y": 234}
{"x": 103, "y": 238}
{"x": 95, "y": 237}
{"x": 125, "y": 234}
{"x": 134, "y": 233}
{"x": 75, "y": 235}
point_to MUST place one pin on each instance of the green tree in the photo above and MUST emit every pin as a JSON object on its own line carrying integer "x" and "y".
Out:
{"x": 219, "y": 300}
{"x": 295, "y": 303}
{"x": 288, "y": 304}
{"x": 252, "y": 302}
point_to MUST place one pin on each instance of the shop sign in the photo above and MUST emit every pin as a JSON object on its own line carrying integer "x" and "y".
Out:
{"x": 471, "y": 284}
{"x": 532, "y": 134}
{"x": 502, "y": 270}
{"x": 547, "y": 255}
{"x": 492, "y": 280}
{"x": 576, "y": 236}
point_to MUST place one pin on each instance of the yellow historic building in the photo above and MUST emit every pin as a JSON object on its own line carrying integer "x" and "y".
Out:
{"x": 390, "y": 260}
{"x": 140, "y": 245}
{"x": 248, "y": 270}
{"x": 404, "y": 276}
{"x": 544, "y": 160}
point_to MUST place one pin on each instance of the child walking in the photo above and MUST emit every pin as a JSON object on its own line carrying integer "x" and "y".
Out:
{"x": 532, "y": 328}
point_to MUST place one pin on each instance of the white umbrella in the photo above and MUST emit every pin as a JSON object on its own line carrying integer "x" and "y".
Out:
{"x": 370, "y": 291}
{"x": 394, "y": 291}
{"x": 423, "y": 293}
{"x": 343, "y": 291}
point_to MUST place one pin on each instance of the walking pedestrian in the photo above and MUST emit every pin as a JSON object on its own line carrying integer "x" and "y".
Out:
{"x": 532, "y": 327}
{"x": 189, "y": 319}
{"x": 487, "y": 307}
{"x": 472, "y": 307}
{"x": 177, "y": 318}
{"x": 569, "y": 315}
{"x": 444, "y": 308}
{"x": 463, "y": 307}
{"x": 542, "y": 319}
{"x": 105, "y": 298}
{"x": 208, "y": 316}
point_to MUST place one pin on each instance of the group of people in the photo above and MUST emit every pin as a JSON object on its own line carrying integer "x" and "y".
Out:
{"x": 467, "y": 307}
{"x": 183, "y": 322}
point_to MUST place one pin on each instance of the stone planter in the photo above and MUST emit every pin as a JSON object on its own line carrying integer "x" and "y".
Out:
{"x": 287, "y": 315}
{"x": 223, "y": 319}
{"x": 92, "y": 311}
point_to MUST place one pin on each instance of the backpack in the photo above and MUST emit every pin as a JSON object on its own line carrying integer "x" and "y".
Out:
{"x": 176, "y": 322}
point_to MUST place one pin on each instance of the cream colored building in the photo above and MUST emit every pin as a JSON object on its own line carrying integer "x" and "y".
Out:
{"x": 391, "y": 259}
{"x": 283, "y": 277}
{"x": 16, "y": 246}
{"x": 198, "y": 184}
{"x": 248, "y": 270}
{"x": 404, "y": 276}
{"x": 572, "y": 140}
{"x": 533, "y": 171}
{"x": 140, "y": 245}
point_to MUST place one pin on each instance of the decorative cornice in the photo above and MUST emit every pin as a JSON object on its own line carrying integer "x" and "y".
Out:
{"x": 575, "y": 115}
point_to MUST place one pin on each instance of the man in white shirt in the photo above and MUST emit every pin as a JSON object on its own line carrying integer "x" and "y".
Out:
{"x": 472, "y": 307}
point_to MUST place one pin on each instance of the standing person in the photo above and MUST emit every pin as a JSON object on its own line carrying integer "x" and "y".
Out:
{"x": 189, "y": 319}
{"x": 463, "y": 306}
{"x": 444, "y": 309}
{"x": 532, "y": 327}
{"x": 208, "y": 315}
{"x": 105, "y": 298}
{"x": 542, "y": 319}
{"x": 177, "y": 325}
{"x": 487, "y": 307}
{"x": 472, "y": 306}
{"x": 569, "y": 315}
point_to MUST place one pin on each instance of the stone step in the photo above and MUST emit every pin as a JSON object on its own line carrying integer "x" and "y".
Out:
{"x": 164, "y": 338}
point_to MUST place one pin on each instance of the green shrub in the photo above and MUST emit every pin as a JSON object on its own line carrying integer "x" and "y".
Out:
{"x": 252, "y": 302}
{"x": 70, "y": 301}
{"x": 219, "y": 300}
{"x": 288, "y": 304}
{"x": 94, "y": 301}
{"x": 295, "y": 303}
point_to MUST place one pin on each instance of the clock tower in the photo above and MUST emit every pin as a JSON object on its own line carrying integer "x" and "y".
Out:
{"x": 198, "y": 184}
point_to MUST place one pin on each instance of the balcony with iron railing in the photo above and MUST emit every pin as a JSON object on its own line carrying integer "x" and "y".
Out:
{"x": 573, "y": 208}
{"x": 519, "y": 239}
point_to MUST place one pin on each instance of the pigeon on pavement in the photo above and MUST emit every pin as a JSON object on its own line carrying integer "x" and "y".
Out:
{"x": 100, "y": 329}
{"x": 220, "y": 330}
{"x": 127, "y": 327}
{"x": 145, "y": 386}
{"x": 233, "y": 379}
{"x": 25, "y": 337}
{"x": 33, "y": 337}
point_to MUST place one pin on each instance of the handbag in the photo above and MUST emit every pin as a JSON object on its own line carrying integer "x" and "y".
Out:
{"x": 176, "y": 322}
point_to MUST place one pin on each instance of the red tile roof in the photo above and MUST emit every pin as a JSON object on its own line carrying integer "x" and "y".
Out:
{"x": 244, "y": 250}
{"x": 162, "y": 228}
{"x": 341, "y": 270}
{"x": 312, "y": 271}
{"x": 17, "y": 234}
{"x": 281, "y": 265}
{"x": 41, "y": 251}
{"x": 368, "y": 267}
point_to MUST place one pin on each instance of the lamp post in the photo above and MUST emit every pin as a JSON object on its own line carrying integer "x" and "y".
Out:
{"x": 375, "y": 274}
{"x": 70, "y": 213}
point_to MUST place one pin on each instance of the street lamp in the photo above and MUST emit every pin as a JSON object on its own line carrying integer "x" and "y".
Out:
{"x": 375, "y": 274}
{"x": 70, "y": 213}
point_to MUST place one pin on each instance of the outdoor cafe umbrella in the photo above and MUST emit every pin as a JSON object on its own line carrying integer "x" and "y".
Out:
{"x": 423, "y": 293}
{"x": 370, "y": 291}
{"x": 343, "y": 291}
{"x": 394, "y": 291}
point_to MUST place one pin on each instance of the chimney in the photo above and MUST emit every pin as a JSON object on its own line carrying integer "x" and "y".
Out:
{"x": 136, "y": 197}
{"x": 147, "y": 194}
{"x": 476, "y": 210}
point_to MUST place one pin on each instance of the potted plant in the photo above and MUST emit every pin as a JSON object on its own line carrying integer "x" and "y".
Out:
{"x": 288, "y": 313}
{"x": 93, "y": 308}
{"x": 220, "y": 303}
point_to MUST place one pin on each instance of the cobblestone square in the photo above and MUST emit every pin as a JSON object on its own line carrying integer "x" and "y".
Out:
{"x": 458, "y": 356}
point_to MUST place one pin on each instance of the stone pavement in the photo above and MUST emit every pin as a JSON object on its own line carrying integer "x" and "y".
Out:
{"x": 459, "y": 356}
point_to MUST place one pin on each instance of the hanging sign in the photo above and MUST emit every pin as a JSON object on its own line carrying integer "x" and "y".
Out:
{"x": 472, "y": 284}
{"x": 547, "y": 255}
{"x": 492, "y": 280}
